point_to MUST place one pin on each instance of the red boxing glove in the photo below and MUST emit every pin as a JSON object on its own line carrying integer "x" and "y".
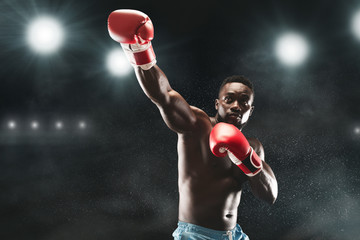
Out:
{"x": 227, "y": 139}
{"x": 134, "y": 31}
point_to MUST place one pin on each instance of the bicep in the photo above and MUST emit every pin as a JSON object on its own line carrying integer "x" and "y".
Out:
{"x": 177, "y": 113}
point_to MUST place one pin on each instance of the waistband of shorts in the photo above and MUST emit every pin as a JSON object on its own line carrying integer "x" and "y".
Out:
{"x": 204, "y": 230}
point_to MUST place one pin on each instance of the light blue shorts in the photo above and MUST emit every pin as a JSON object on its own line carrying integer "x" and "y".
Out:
{"x": 188, "y": 231}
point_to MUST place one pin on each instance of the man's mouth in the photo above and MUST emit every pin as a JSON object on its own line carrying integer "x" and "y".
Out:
{"x": 235, "y": 115}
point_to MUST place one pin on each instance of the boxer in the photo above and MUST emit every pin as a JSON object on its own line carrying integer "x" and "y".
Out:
{"x": 214, "y": 158}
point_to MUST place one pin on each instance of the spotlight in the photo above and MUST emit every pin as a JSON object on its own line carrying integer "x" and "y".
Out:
{"x": 357, "y": 130}
{"x": 11, "y": 125}
{"x": 59, "y": 125}
{"x": 117, "y": 63}
{"x": 355, "y": 25}
{"x": 34, "y": 125}
{"x": 291, "y": 49}
{"x": 82, "y": 125}
{"x": 45, "y": 35}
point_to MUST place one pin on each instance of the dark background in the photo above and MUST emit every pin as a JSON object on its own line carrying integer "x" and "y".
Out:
{"x": 117, "y": 179}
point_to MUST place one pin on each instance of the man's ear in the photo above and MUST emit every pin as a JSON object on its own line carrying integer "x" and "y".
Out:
{"x": 216, "y": 104}
{"x": 251, "y": 110}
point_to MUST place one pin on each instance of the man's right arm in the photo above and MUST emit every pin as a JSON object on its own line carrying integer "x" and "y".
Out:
{"x": 175, "y": 111}
{"x": 134, "y": 31}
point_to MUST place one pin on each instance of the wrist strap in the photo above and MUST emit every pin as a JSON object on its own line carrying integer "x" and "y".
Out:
{"x": 140, "y": 55}
{"x": 251, "y": 165}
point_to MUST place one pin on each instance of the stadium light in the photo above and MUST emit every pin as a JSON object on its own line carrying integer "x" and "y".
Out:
{"x": 82, "y": 125}
{"x": 11, "y": 125}
{"x": 34, "y": 125}
{"x": 117, "y": 63}
{"x": 45, "y": 35}
{"x": 357, "y": 130}
{"x": 355, "y": 25}
{"x": 59, "y": 125}
{"x": 291, "y": 49}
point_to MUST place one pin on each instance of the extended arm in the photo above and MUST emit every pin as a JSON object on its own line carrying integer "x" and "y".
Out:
{"x": 175, "y": 111}
{"x": 134, "y": 31}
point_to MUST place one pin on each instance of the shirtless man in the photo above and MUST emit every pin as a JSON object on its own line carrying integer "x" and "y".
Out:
{"x": 209, "y": 186}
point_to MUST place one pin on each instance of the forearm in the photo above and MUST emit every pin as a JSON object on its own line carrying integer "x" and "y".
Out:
{"x": 226, "y": 139}
{"x": 134, "y": 31}
{"x": 175, "y": 111}
{"x": 264, "y": 184}
{"x": 154, "y": 84}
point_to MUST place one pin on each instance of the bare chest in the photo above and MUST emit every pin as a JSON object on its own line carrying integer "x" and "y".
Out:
{"x": 197, "y": 162}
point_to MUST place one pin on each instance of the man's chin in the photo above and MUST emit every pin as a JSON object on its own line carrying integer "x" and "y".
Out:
{"x": 234, "y": 122}
{"x": 237, "y": 124}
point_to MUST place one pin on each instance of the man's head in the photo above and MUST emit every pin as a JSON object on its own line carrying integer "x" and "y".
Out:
{"x": 235, "y": 101}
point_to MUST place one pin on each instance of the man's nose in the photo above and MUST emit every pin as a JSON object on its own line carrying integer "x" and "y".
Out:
{"x": 235, "y": 107}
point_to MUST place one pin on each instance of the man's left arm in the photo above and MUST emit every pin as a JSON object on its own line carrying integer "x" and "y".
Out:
{"x": 264, "y": 184}
{"x": 226, "y": 139}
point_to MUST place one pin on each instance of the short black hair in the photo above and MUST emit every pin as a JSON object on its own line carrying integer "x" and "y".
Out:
{"x": 239, "y": 79}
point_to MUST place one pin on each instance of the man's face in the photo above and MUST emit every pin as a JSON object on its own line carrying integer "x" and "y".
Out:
{"x": 234, "y": 105}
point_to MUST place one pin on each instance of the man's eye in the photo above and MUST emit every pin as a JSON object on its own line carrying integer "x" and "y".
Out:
{"x": 244, "y": 100}
{"x": 227, "y": 99}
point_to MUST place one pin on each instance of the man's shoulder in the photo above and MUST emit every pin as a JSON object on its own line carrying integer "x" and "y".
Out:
{"x": 197, "y": 110}
{"x": 203, "y": 121}
{"x": 200, "y": 114}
